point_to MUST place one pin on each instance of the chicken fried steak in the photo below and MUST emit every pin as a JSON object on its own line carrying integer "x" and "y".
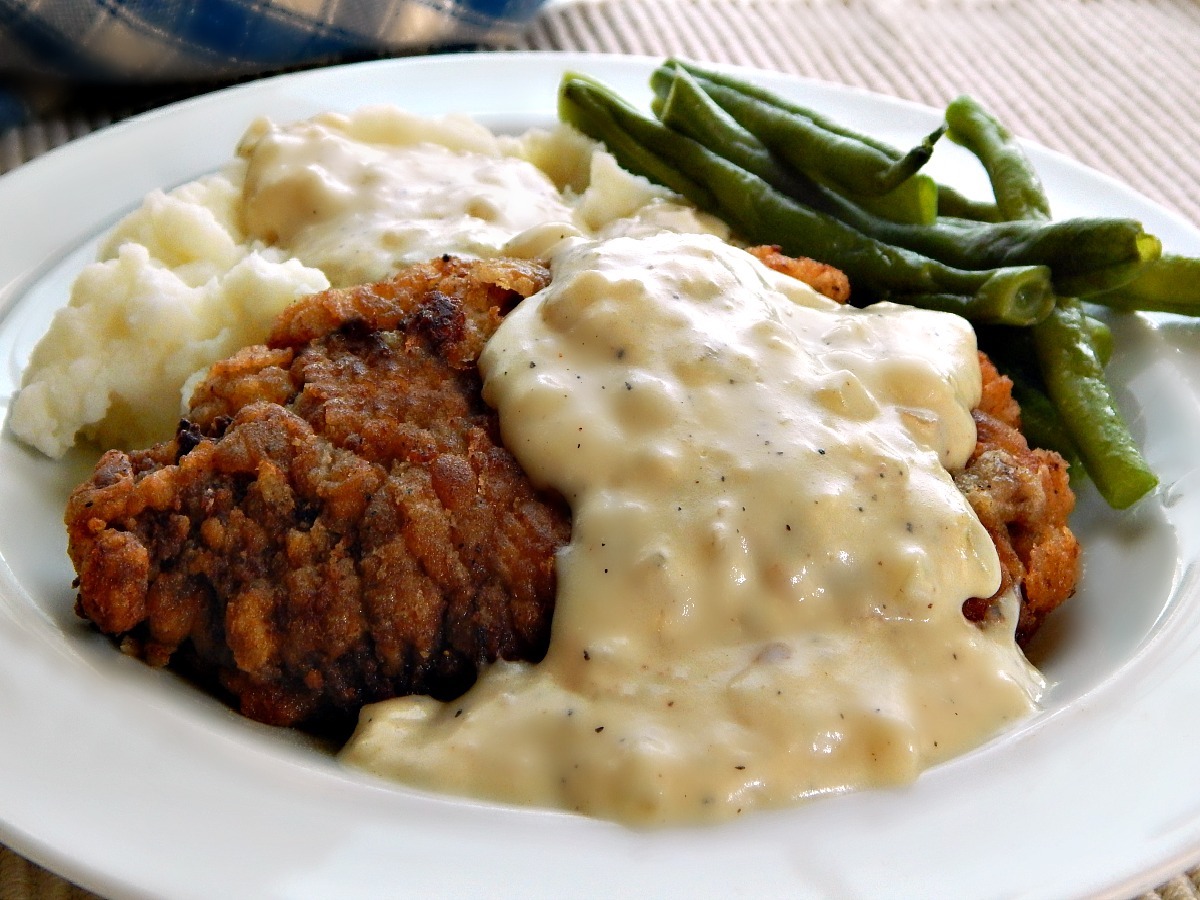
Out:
{"x": 336, "y": 521}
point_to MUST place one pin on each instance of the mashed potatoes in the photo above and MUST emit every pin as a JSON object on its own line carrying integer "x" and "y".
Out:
{"x": 178, "y": 287}
{"x": 194, "y": 274}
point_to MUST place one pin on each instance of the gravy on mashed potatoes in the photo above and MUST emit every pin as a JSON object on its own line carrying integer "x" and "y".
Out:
{"x": 761, "y": 599}
{"x": 332, "y": 201}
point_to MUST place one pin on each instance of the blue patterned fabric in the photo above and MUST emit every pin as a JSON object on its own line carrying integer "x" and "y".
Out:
{"x": 156, "y": 41}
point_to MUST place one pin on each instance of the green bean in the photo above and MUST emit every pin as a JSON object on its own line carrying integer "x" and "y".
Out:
{"x": 590, "y": 107}
{"x": 857, "y": 168}
{"x": 913, "y": 201}
{"x": 683, "y": 105}
{"x": 1043, "y": 426}
{"x": 1169, "y": 284}
{"x": 854, "y": 168}
{"x": 1069, "y": 345}
{"x": 949, "y": 200}
{"x": 1013, "y": 352}
{"x": 1018, "y": 190}
{"x": 760, "y": 93}
{"x": 1084, "y": 255}
{"x": 992, "y": 302}
{"x": 954, "y": 204}
{"x": 1074, "y": 379}
{"x": 760, "y": 214}
{"x": 1100, "y": 336}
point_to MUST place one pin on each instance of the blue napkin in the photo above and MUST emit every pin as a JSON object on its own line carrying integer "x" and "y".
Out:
{"x": 47, "y": 46}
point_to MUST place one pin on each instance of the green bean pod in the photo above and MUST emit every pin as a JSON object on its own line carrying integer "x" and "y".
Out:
{"x": 1074, "y": 379}
{"x": 950, "y": 201}
{"x": 844, "y": 162}
{"x": 957, "y": 205}
{"x": 667, "y": 69}
{"x": 1084, "y": 255}
{"x": 761, "y": 214}
{"x": 683, "y": 105}
{"x": 688, "y": 110}
{"x": 1068, "y": 343}
{"x": 1018, "y": 190}
{"x": 1169, "y": 284}
{"x": 1101, "y": 338}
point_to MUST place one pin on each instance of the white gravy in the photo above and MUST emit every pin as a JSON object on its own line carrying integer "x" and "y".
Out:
{"x": 761, "y": 599}
{"x": 360, "y": 197}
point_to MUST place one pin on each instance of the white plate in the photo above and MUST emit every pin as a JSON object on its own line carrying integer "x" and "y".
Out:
{"x": 132, "y": 783}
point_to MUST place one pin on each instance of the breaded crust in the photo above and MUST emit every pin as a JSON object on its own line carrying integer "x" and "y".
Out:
{"x": 821, "y": 277}
{"x": 336, "y": 521}
{"x": 1024, "y": 499}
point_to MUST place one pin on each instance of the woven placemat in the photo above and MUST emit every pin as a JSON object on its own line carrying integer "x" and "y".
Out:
{"x": 1111, "y": 83}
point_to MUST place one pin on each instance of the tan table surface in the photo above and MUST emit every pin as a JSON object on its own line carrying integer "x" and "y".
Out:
{"x": 1111, "y": 83}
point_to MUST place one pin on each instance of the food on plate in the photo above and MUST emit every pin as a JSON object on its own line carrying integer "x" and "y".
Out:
{"x": 359, "y": 197}
{"x": 336, "y": 521}
{"x": 762, "y": 598}
{"x": 177, "y": 269}
{"x": 767, "y": 165}
{"x": 1169, "y": 284}
{"x": 1018, "y": 294}
{"x": 766, "y": 544}
{"x": 205, "y": 268}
